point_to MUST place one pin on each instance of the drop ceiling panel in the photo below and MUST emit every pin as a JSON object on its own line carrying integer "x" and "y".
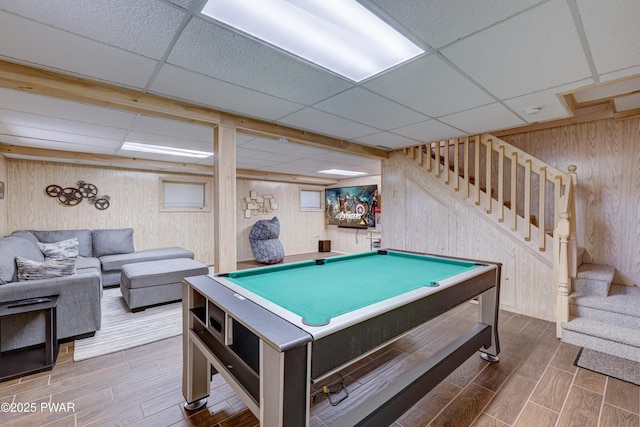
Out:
{"x": 607, "y": 24}
{"x": 168, "y": 141}
{"x": 268, "y": 157}
{"x": 182, "y": 84}
{"x": 386, "y": 140}
{"x": 342, "y": 159}
{"x": 533, "y": 51}
{"x": 430, "y": 86}
{"x": 321, "y": 122}
{"x": 478, "y": 120}
{"x": 605, "y": 91}
{"x": 626, "y": 103}
{"x": 274, "y": 146}
{"x": 429, "y": 131}
{"x": 551, "y": 105}
{"x": 173, "y": 128}
{"x": 145, "y": 27}
{"x": 46, "y": 106}
{"x": 48, "y": 140}
{"x": 425, "y": 18}
{"x": 33, "y": 125}
{"x": 223, "y": 54}
{"x": 56, "y": 49}
{"x": 356, "y": 104}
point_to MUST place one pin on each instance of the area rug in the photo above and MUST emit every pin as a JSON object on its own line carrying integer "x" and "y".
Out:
{"x": 122, "y": 329}
{"x": 616, "y": 367}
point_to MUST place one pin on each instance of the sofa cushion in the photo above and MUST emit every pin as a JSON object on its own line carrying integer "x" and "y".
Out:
{"x": 112, "y": 241}
{"x": 13, "y": 246}
{"x": 83, "y": 236}
{"x": 115, "y": 262}
{"x": 50, "y": 267}
{"x": 64, "y": 249}
{"x": 26, "y": 235}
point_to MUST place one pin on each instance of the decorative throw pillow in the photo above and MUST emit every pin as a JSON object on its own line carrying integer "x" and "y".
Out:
{"x": 51, "y": 267}
{"x": 64, "y": 249}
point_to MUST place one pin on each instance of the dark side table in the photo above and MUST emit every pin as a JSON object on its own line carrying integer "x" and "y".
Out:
{"x": 19, "y": 362}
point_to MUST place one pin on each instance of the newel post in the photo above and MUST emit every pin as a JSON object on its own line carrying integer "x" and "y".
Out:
{"x": 571, "y": 208}
{"x": 564, "y": 284}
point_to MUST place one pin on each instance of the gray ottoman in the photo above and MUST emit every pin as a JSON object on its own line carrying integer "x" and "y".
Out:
{"x": 155, "y": 282}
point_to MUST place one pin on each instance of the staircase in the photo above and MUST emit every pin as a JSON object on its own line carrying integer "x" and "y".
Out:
{"x": 604, "y": 317}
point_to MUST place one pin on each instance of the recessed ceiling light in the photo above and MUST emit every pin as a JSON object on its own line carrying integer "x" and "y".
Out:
{"x": 148, "y": 148}
{"x": 342, "y": 172}
{"x": 532, "y": 110}
{"x": 342, "y": 36}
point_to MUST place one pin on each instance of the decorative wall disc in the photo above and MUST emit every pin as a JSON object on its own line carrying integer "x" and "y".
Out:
{"x": 71, "y": 196}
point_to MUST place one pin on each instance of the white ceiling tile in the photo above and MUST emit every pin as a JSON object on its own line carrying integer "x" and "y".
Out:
{"x": 429, "y": 131}
{"x": 145, "y": 27}
{"x": 386, "y": 140}
{"x": 441, "y": 22}
{"x": 341, "y": 158}
{"x": 606, "y": 24}
{"x": 33, "y": 124}
{"x": 182, "y": 84}
{"x": 169, "y": 141}
{"x": 174, "y": 128}
{"x": 266, "y": 156}
{"x": 274, "y": 146}
{"x": 549, "y": 101}
{"x": 47, "y": 106}
{"x": 627, "y": 72}
{"x": 56, "y": 49}
{"x": 324, "y": 123}
{"x": 629, "y": 102}
{"x": 56, "y": 141}
{"x": 436, "y": 89}
{"x": 533, "y": 51}
{"x": 223, "y": 54}
{"x": 483, "y": 119}
{"x": 365, "y": 107}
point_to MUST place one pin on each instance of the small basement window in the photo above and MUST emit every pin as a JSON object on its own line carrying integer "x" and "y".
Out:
{"x": 184, "y": 195}
{"x": 310, "y": 200}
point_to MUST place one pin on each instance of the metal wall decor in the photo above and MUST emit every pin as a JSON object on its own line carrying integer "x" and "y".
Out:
{"x": 71, "y": 196}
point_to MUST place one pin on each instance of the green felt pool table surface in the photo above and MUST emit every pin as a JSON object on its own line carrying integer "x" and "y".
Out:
{"x": 338, "y": 285}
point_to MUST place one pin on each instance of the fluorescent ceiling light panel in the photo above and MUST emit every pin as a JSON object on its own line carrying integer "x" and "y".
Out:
{"x": 340, "y": 35}
{"x": 341, "y": 172}
{"x": 157, "y": 149}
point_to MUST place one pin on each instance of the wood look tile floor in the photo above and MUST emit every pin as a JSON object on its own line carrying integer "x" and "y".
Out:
{"x": 534, "y": 384}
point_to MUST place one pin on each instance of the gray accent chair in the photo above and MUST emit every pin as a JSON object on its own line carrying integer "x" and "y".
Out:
{"x": 265, "y": 245}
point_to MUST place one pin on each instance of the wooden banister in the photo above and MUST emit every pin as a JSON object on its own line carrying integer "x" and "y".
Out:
{"x": 478, "y": 165}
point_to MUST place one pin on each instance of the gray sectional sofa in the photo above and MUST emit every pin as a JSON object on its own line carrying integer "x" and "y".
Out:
{"x": 100, "y": 255}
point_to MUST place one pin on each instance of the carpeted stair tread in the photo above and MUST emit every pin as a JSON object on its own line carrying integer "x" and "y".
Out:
{"x": 596, "y": 272}
{"x": 593, "y": 279}
{"x": 615, "y": 333}
{"x": 622, "y": 299}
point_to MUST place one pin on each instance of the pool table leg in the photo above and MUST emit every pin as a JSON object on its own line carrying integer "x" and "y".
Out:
{"x": 488, "y": 314}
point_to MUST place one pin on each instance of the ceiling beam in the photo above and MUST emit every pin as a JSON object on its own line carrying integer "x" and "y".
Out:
{"x": 49, "y": 83}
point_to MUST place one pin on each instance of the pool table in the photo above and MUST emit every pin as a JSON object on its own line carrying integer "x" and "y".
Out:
{"x": 273, "y": 331}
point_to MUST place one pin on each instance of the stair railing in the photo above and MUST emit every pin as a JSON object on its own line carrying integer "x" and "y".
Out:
{"x": 514, "y": 188}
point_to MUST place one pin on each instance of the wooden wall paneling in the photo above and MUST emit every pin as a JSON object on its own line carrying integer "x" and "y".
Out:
{"x": 299, "y": 230}
{"x": 527, "y": 285}
{"x": 4, "y": 211}
{"x": 607, "y": 156}
{"x": 393, "y": 226}
{"x": 134, "y": 203}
